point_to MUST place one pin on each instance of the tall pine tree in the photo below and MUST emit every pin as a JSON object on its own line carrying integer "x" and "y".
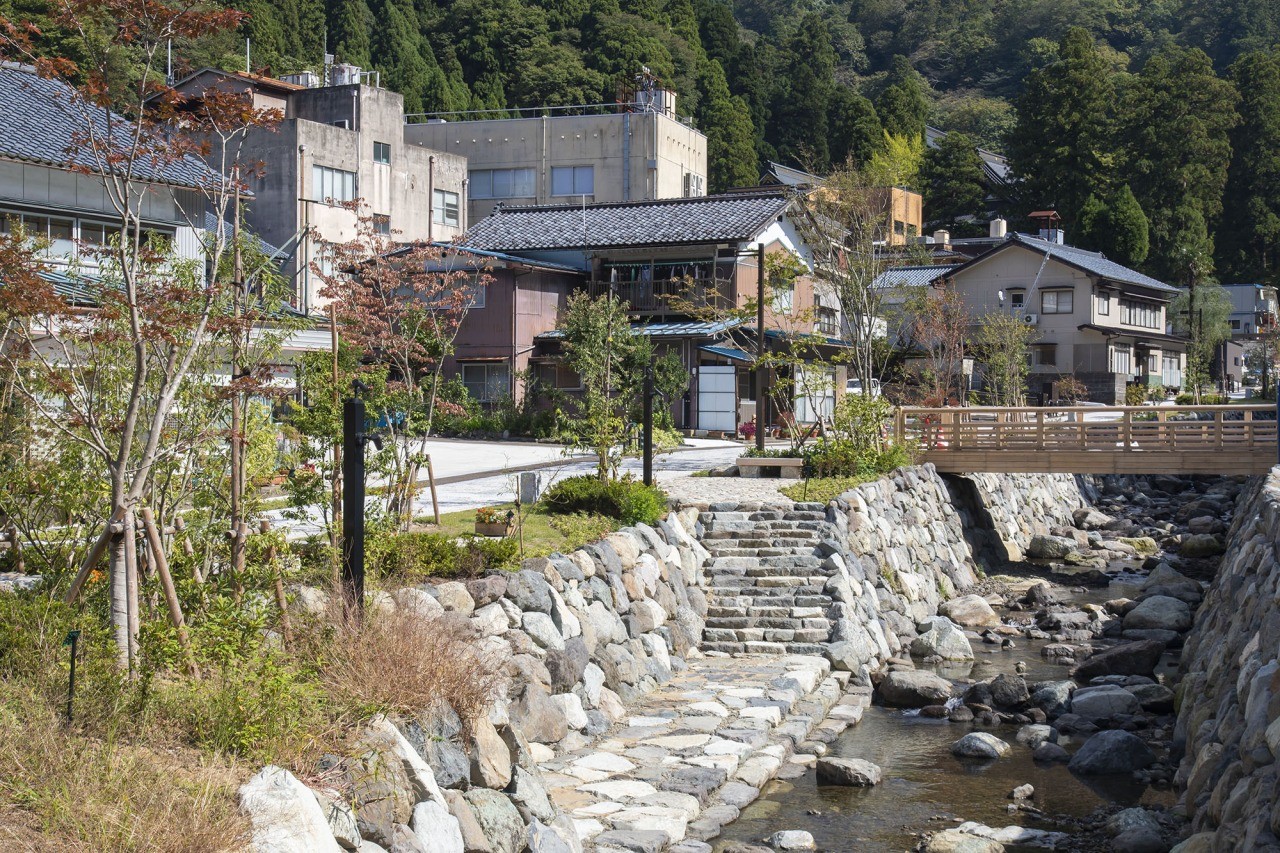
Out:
{"x": 951, "y": 177}
{"x": 350, "y": 23}
{"x": 903, "y": 106}
{"x": 1248, "y": 240}
{"x": 725, "y": 119}
{"x": 1060, "y": 145}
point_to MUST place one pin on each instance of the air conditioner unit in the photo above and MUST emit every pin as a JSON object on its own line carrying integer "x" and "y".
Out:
{"x": 1031, "y": 319}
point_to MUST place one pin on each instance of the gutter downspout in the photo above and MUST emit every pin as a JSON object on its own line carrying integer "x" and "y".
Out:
{"x": 626, "y": 155}
{"x": 431, "y": 197}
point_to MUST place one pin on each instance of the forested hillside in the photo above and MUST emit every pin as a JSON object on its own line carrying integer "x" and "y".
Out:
{"x": 1154, "y": 129}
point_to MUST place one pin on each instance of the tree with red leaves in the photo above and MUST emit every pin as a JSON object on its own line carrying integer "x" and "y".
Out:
{"x": 403, "y": 305}
{"x": 109, "y": 368}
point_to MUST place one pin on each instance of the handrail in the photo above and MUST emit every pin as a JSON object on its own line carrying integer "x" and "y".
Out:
{"x": 1243, "y": 407}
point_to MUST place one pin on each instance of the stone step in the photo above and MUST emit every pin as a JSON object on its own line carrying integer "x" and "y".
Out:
{"x": 721, "y": 611}
{"x": 753, "y": 621}
{"x": 797, "y": 550}
{"x": 764, "y": 647}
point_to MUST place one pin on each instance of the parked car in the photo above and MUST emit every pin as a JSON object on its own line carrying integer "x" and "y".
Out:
{"x": 854, "y": 386}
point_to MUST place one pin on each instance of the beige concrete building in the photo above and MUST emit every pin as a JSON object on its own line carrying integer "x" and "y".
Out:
{"x": 634, "y": 152}
{"x": 1095, "y": 319}
{"x": 337, "y": 144}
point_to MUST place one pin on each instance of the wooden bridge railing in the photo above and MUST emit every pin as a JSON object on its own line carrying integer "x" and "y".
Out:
{"x": 1095, "y": 439}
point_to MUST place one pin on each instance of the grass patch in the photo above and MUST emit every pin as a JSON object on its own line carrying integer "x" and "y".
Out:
{"x": 543, "y": 532}
{"x": 824, "y": 489}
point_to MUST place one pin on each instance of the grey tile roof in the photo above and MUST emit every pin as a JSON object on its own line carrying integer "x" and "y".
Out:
{"x": 911, "y": 276}
{"x": 736, "y": 217}
{"x": 42, "y": 119}
{"x": 1092, "y": 262}
{"x": 691, "y": 328}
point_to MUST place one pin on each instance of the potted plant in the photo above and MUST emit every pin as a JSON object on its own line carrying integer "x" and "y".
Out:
{"x": 492, "y": 521}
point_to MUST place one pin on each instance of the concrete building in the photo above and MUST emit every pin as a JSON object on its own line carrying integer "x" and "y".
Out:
{"x": 1253, "y": 309}
{"x": 624, "y": 152}
{"x": 1096, "y": 320}
{"x": 338, "y": 143}
{"x": 903, "y": 208}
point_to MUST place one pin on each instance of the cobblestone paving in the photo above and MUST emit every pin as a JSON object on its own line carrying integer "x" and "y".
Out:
{"x": 689, "y": 755}
{"x": 703, "y": 491}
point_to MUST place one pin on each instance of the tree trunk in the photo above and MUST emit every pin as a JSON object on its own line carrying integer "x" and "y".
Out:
{"x": 120, "y": 601}
{"x": 131, "y": 575}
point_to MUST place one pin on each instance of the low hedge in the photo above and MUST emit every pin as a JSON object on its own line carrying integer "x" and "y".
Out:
{"x": 626, "y": 500}
{"x": 410, "y": 556}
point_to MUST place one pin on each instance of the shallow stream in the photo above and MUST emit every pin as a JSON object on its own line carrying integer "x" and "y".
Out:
{"x": 925, "y": 787}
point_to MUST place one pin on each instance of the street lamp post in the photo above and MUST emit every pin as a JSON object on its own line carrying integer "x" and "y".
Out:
{"x": 762, "y": 398}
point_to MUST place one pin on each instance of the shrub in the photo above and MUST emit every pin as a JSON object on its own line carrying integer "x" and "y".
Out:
{"x": 1186, "y": 398}
{"x": 845, "y": 458}
{"x": 1136, "y": 395}
{"x": 401, "y": 663}
{"x": 411, "y": 556}
{"x": 626, "y": 500}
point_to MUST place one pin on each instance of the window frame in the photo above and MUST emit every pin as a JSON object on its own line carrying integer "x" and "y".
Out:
{"x": 575, "y": 187}
{"x": 496, "y": 368}
{"x": 334, "y": 176}
{"x": 1051, "y": 349}
{"x": 1104, "y": 304}
{"x": 442, "y": 205}
{"x": 1057, "y": 301}
{"x": 483, "y": 183}
{"x": 382, "y": 153}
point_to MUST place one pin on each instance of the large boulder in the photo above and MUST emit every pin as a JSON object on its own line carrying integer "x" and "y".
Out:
{"x": 1139, "y": 658}
{"x": 1201, "y": 545}
{"x": 285, "y": 815}
{"x": 498, "y": 818}
{"x": 971, "y": 611}
{"x": 955, "y": 841}
{"x": 530, "y": 591}
{"x": 914, "y": 689}
{"x": 1103, "y": 701}
{"x": 1009, "y": 691}
{"x": 853, "y": 772}
{"x": 943, "y": 639}
{"x": 979, "y": 745}
{"x": 1161, "y": 612}
{"x": 490, "y": 758}
{"x": 1044, "y": 547}
{"x": 1111, "y": 752}
{"x": 436, "y": 829}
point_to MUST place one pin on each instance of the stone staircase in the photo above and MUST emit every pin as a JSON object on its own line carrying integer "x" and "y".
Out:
{"x": 765, "y": 579}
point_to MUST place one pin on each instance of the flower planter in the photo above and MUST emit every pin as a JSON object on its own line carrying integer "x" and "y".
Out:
{"x": 770, "y": 466}
{"x": 492, "y": 528}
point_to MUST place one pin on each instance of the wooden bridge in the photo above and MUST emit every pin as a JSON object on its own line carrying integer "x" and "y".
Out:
{"x": 1095, "y": 439}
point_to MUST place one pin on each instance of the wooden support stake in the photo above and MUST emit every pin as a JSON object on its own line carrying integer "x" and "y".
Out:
{"x": 179, "y": 530}
{"x": 15, "y": 544}
{"x": 286, "y": 626}
{"x": 435, "y": 502}
{"x": 161, "y": 565}
{"x": 95, "y": 554}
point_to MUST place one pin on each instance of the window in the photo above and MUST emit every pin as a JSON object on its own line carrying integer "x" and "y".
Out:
{"x": 1121, "y": 360}
{"x": 1055, "y": 302}
{"x": 503, "y": 183}
{"x": 561, "y": 377}
{"x": 382, "y": 152}
{"x": 573, "y": 180}
{"x": 486, "y": 383}
{"x": 382, "y": 224}
{"x": 1145, "y": 314}
{"x": 828, "y": 321}
{"x": 1235, "y": 325}
{"x": 479, "y": 292}
{"x": 64, "y": 235}
{"x": 1017, "y": 300}
{"x": 783, "y": 297}
{"x": 444, "y": 207}
{"x": 1046, "y": 354}
{"x": 1104, "y": 304}
{"x": 332, "y": 185}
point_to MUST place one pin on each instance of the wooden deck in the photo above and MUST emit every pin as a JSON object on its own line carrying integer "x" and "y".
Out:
{"x": 1095, "y": 439}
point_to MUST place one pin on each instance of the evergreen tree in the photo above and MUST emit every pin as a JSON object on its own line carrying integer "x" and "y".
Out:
{"x": 951, "y": 176}
{"x": 855, "y": 132}
{"x": 350, "y": 23}
{"x": 1248, "y": 240}
{"x": 798, "y": 128}
{"x": 398, "y": 46}
{"x": 731, "y": 158}
{"x": 1116, "y": 227}
{"x": 1061, "y": 140}
{"x": 903, "y": 106}
{"x": 1177, "y": 119}
{"x": 554, "y": 75}
{"x": 718, "y": 30}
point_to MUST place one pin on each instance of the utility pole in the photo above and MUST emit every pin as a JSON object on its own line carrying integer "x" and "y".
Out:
{"x": 647, "y": 421}
{"x": 353, "y": 440}
{"x": 335, "y": 535}
{"x": 762, "y": 398}
{"x": 237, "y": 414}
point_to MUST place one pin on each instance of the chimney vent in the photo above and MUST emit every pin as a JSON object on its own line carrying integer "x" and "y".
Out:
{"x": 999, "y": 227}
{"x": 941, "y": 238}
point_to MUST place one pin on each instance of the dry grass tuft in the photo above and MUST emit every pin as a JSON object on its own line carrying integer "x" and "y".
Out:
{"x": 401, "y": 663}
{"x": 66, "y": 792}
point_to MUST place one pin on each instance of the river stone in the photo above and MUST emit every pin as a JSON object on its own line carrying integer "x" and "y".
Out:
{"x": 1132, "y": 818}
{"x": 1155, "y": 698}
{"x": 1050, "y": 547}
{"x": 536, "y": 716}
{"x": 570, "y": 705}
{"x": 284, "y": 814}
{"x": 498, "y": 818}
{"x": 1161, "y": 612}
{"x": 914, "y": 689}
{"x": 633, "y": 840}
{"x": 1201, "y": 545}
{"x": 1138, "y": 658}
{"x": 544, "y": 839}
{"x": 1035, "y": 734}
{"x": 1103, "y": 701}
{"x": 791, "y": 839}
{"x": 530, "y": 796}
{"x": 487, "y": 590}
{"x": 853, "y": 772}
{"x": 1111, "y": 752}
{"x": 530, "y": 591}
{"x": 1050, "y": 752}
{"x": 419, "y": 602}
{"x": 453, "y": 596}
{"x": 438, "y": 830}
{"x": 568, "y": 665}
{"x": 971, "y": 611}
{"x": 945, "y": 640}
{"x": 1140, "y": 840}
{"x": 542, "y": 629}
{"x": 979, "y": 745}
{"x": 490, "y": 758}
{"x": 1088, "y": 518}
{"x": 1009, "y": 691}
{"x": 473, "y": 840}
{"x": 955, "y": 841}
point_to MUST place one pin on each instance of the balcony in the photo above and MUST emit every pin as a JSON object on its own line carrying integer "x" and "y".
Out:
{"x": 670, "y": 296}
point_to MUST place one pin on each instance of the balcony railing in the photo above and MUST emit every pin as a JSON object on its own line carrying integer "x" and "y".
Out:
{"x": 668, "y": 296}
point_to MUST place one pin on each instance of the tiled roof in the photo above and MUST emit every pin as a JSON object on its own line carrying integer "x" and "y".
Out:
{"x": 911, "y": 276}
{"x": 1092, "y": 262}
{"x": 505, "y": 258}
{"x": 42, "y": 119}
{"x": 736, "y": 217}
{"x": 211, "y": 226}
{"x": 695, "y": 329}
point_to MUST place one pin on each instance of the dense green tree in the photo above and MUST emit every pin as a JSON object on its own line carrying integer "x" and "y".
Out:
{"x": 718, "y": 30}
{"x": 1061, "y": 142}
{"x": 903, "y": 106}
{"x": 350, "y": 23}
{"x": 1177, "y": 119}
{"x": 402, "y": 55}
{"x": 731, "y": 156}
{"x": 1248, "y": 241}
{"x": 951, "y": 177}
{"x": 1117, "y": 227}
{"x": 855, "y": 131}
{"x": 798, "y": 129}
{"x": 554, "y": 75}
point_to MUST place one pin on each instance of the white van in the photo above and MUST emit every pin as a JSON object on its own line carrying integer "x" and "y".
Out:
{"x": 854, "y": 386}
